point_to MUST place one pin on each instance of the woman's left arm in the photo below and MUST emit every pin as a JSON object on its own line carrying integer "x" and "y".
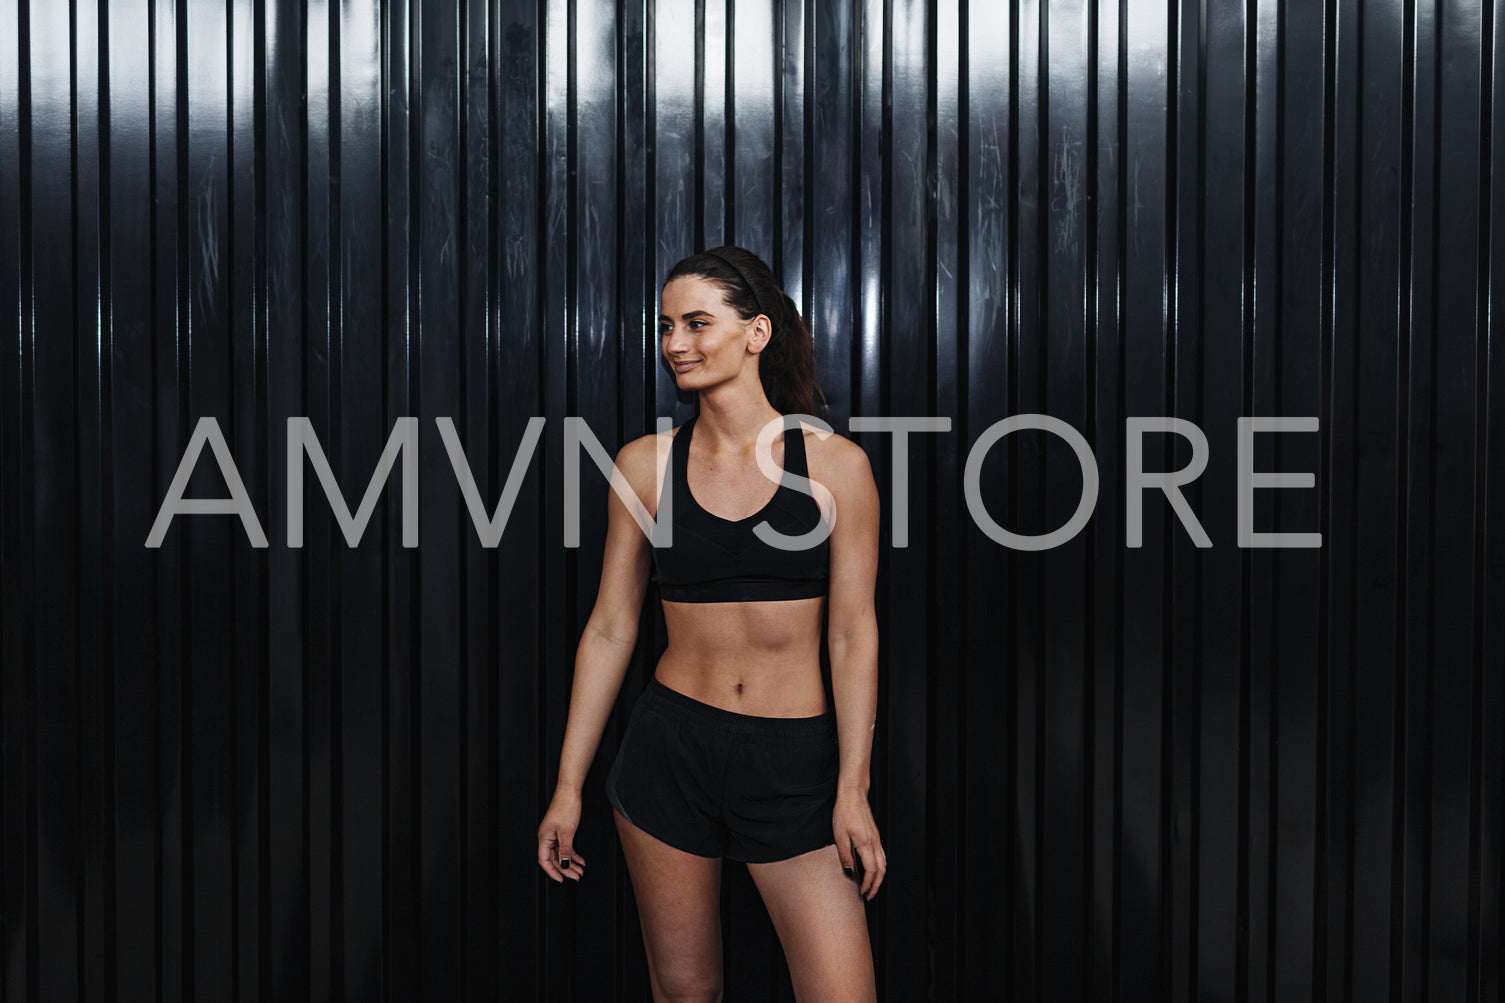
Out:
{"x": 852, "y": 638}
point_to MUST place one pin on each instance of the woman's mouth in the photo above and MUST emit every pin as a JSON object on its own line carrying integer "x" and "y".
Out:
{"x": 684, "y": 367}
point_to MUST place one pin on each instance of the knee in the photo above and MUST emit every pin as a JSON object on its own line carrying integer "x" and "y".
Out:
{"x": 685, "y": 989}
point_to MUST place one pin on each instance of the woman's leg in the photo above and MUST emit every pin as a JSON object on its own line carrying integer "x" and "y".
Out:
{"x": 679, "y": 902}
{"x": 822, "y": 924}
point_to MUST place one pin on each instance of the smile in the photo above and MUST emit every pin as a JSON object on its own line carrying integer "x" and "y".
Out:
{"x": 684, "y": 367}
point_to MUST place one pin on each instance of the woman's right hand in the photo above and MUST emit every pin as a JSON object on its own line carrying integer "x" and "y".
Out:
{"x": 556, "y": 838}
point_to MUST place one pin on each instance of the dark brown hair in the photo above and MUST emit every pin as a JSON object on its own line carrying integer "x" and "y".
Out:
{"x": 787, "y": 364}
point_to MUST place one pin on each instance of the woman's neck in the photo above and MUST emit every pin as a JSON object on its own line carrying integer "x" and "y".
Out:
{"x": 731, "y": 419}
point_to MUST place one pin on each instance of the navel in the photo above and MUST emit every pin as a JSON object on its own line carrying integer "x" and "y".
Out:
{"x": 739, "y": 689}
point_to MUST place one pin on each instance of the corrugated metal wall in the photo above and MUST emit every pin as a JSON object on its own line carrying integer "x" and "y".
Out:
{"x": 1100, "y": 772}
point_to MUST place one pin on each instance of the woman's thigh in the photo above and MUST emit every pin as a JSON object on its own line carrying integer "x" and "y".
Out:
{"x": 822, "y": 925}
{"x": 679, "y": 903}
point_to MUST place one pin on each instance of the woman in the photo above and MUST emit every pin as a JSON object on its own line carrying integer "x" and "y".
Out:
{"x": 732, "y": 751}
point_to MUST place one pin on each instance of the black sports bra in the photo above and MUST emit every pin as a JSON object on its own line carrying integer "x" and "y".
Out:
{"x": 720, "y": 560}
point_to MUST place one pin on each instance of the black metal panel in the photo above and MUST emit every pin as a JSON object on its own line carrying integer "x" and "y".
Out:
{"x": 1101, "y": 771}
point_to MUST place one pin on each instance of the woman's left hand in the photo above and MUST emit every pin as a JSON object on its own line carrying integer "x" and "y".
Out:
{"x": 857, "y": 836}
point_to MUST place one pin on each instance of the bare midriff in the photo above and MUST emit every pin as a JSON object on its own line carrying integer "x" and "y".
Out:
{"x": 760, "y": 658}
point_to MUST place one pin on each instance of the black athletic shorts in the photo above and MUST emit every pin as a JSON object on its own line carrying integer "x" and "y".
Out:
{"x": 716, "y": 783}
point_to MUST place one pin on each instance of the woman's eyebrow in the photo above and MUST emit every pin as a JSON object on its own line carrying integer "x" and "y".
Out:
{"x": 692, "y": 313}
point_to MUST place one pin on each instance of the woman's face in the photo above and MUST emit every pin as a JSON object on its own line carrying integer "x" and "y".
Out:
{"x": 702, "y": 338}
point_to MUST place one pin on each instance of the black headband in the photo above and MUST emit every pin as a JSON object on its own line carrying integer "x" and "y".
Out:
{"x": 756, "y": 298}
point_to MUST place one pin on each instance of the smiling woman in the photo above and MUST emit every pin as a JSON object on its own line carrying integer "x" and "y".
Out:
{"x": 732, "y": 752}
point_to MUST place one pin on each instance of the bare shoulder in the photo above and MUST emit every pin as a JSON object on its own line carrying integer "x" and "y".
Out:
{"x": 640, "y": 463}
{"x": 639, "y": 452}
{"x": 839, "y": 459}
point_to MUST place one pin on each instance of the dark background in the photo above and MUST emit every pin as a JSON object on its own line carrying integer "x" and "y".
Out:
{"x": 1099, "y": 772}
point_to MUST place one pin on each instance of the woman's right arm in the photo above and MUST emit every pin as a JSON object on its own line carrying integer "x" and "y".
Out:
{"x": 602, "y": 657}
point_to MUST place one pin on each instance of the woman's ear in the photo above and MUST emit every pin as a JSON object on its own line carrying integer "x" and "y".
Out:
{"x": 762, "y": 331}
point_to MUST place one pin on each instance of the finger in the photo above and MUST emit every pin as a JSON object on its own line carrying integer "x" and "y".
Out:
{"x": 877, "y": 882}
{"x": 546, "y": 842}
{"x": 546, "y": 861}
{"x": 879, "y": 872}
{"x": 567, "y": 858}
{"x": 844, "y": 853}
{"x": 869, "y": 867}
